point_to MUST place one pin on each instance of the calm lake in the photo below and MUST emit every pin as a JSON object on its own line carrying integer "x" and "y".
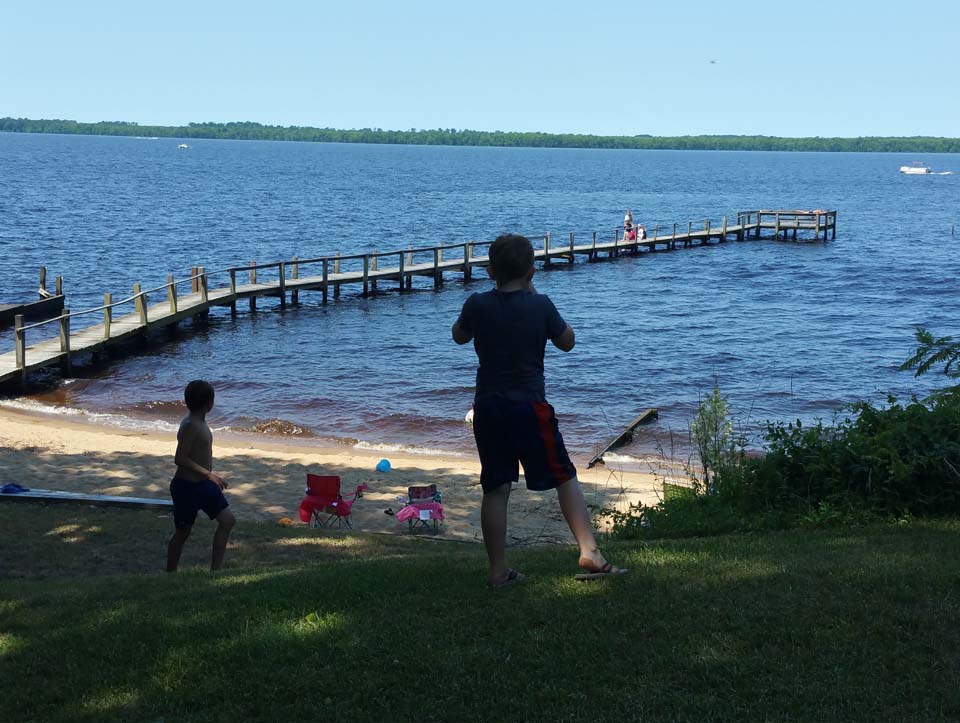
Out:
{"x": 787, "y": 330}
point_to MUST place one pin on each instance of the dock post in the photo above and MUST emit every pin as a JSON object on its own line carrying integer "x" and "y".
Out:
{"x": 366, "y": 274}
{"x": 834, "y": 235}
{"x": 283, "y": 284}
{"x": 615, "y": 251}
{"x": 400, "y": 266}
{"x": 43, "y": 282}
{"x": 673, "y": 239}
{"x": 776, "y": 227}
{"x": 706, "y": 227}
{"x": 816, "y": 233}
{"x": 65, "y": 339}
{"x": 58, "y": 286}
{"x": 593, "y": 248}
{"x": 571, "y": 247}
{"x": 20, "y": 341}
{"x": 194, "y": 283}
{"x": 140, "y": 302}
{"x": 656, "y": 235}
{"x": 546, "y": 249}
{"x": 374, "y": 259}
{"x": 437, "y": 273}
{"x": 203, "y": 285}
{"x": 336, "y": 271}
{"x": 723, "y": 229}
{"x": 295, "y": 274}
{"x": 253, "y": 280}
{"x": 107, "y": 314}
{"x": 409, "y": 264}
{"x": 233, "y": 292}
{"x": 323, "y": 284}
{"x": 467, "y": 260}
{"x": 688, "y": 241}
{"x": 171, "y": 294}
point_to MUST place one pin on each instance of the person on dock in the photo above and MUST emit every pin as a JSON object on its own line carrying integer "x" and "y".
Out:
{"x": 629, "y": 233}
{"x": 195, "y": 486}
{"x": 513, "y": 424}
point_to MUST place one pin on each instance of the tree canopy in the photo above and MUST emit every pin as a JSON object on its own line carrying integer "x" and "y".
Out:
{"x": 247, "y": 130}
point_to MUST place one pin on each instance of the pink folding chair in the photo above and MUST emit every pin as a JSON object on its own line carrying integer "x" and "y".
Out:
{"x": 423, "y": 508}
{"x": 323, "y": 505}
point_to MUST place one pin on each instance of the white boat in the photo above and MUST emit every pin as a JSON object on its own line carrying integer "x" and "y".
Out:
{"x": 184, "y": 145}
{"x": 918, "y": 168}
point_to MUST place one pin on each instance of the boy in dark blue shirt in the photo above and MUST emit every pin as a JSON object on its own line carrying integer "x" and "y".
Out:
{"x": 513, "y": 424}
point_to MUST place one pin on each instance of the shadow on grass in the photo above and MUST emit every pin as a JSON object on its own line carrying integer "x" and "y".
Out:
{"x": 758, "y": 627}
{"x": 65, "y": 541}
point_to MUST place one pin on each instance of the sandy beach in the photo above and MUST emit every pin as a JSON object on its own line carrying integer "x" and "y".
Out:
{"x": 267, "y": 475}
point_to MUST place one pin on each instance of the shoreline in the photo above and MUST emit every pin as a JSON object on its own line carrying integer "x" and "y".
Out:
{"x": 267, "y": 476}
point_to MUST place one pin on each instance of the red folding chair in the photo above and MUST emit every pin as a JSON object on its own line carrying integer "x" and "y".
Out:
{"x": 323, "y": 505}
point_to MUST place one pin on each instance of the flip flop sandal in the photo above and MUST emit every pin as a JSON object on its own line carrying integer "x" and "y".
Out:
{"x": 513, "y": 577}
{"x": 607, "y": 570}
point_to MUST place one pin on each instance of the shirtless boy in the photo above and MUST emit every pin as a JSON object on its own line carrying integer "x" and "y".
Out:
{"x": 195, "y": 486}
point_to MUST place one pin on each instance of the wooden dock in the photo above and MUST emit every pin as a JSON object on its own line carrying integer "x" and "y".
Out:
{"x": 92, "y": 330}
{"x": 47, "y": 306}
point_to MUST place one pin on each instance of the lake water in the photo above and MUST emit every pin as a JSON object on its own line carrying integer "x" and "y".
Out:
{"x": 787, "y": 330}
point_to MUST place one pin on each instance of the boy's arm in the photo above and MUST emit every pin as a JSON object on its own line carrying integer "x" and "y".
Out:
{"x": 566, "y": 340}
{"x": 460, "y": 335}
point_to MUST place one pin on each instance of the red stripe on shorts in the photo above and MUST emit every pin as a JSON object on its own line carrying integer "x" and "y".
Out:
{"x": 547, "y": 433}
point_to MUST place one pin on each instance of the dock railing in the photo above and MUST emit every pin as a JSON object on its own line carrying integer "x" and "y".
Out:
{"x": 65, "y": 321}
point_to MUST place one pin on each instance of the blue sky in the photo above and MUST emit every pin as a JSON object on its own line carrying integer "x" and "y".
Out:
{"x": 794, "y": 69}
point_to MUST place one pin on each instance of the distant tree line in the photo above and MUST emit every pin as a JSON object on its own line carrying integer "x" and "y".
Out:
{"x": 452, "y": 137}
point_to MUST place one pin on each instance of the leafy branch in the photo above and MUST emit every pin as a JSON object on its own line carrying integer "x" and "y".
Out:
{"x": 933, "y": 352}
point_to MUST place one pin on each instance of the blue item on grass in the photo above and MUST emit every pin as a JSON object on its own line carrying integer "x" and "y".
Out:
{"x": 12, "y": 489}
{"x": 383, "y": 465}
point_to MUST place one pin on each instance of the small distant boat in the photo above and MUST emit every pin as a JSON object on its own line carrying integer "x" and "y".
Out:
{"x": 917, "y": 168}
{"x": 184, "y": 145}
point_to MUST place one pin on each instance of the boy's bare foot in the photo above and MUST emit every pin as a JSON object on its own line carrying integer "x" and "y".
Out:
{"x": 512, "y": 577}
{"x": 597, "y": 567}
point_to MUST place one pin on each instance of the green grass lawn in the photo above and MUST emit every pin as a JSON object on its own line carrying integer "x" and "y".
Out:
{"x": 855, "y": 625}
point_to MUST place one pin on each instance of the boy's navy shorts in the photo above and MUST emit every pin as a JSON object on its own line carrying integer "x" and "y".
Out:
{"x": 191, "y": 497}
{"x": 510, "y": 433}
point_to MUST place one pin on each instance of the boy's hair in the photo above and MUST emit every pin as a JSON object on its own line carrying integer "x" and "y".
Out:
{"x": 511, "y": 257}
{"x": 198, "y": 395}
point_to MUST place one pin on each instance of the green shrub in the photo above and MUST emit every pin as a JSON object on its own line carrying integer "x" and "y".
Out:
{"x": 877, "y": 463}
{"x": 902, "y": 457}
{"x": 687, "y": 515}
{"x": 713, "y": 437}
